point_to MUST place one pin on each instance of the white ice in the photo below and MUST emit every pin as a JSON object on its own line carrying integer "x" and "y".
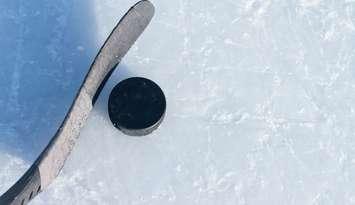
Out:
{"x": 260, "y": 93}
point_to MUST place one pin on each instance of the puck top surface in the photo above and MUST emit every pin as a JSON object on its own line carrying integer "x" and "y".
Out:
{"x": 136, "y": 106}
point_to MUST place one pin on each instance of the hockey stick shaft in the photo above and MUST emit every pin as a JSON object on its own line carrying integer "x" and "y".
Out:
{"x": 52, "y": 159}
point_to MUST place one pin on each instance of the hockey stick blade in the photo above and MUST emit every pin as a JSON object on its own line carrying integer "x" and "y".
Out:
{"x": 48, "y": 165}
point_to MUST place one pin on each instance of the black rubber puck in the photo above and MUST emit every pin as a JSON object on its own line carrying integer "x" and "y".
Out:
{"x": 136, "y": 106}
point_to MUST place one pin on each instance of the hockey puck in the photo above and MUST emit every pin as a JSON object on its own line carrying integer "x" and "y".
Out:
{"x": 136, "y": 106}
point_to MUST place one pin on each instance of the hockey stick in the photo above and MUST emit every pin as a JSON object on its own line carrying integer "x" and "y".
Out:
{"x": 48, "y": 165}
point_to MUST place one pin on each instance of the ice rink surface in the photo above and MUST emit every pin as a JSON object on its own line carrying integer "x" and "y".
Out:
{"x": 260, "y": 101}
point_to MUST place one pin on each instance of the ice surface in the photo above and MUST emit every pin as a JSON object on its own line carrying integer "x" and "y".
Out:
{"x": 259, "y": 94}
